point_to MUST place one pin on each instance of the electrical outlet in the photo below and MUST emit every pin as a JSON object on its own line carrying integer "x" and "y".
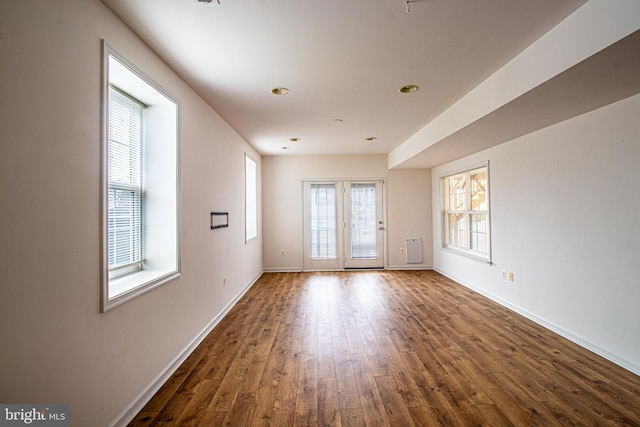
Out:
{"x": 504, "y": 274}
{"x": 224, "y": 281}
{"x": 401, "y": 250}
{"x": 281, "y": 252}
{"x": 511, "y": 277}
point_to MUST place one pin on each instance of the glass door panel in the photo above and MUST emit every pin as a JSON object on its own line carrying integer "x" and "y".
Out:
{"x": 323, "y": 221}
{"x": 322, "y": 226}
{"x": 366, "y": 225}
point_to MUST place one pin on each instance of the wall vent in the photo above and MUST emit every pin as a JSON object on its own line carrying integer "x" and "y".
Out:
{"x": 413, "y": 251}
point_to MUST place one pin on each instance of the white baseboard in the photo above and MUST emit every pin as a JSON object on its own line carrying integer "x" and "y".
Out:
{"x": 152, "y": 388}
{"x": 389, "y": 267}
{"x": 410, "y": 267}
{"x": 628, "y": 365}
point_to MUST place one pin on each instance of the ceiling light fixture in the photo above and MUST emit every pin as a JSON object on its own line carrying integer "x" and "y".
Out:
{"x": 409, "y": 89}
{"x": 284, "y": 147}
{"x": 206, "y": 1}
{"x": 280, "y": 91}
{"x": 372, "y": 138}
{"x": 294, "y": 139}
{"x": 338, "y": 120}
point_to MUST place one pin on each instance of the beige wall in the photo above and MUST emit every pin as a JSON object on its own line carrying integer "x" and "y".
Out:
{"x": 573, "y": 253}
{"x": 56, "y": 345}
{"x": 407, "y": 199}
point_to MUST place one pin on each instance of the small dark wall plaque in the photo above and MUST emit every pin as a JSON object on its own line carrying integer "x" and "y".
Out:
{"x": 219, "y": 219}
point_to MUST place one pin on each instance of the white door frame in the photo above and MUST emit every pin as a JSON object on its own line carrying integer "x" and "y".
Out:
{"x": 341, "y": 260}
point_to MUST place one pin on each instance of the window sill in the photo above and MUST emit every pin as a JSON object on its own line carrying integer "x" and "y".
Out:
{"x": 468, "y": 254}
{"x": 125, "y": 288}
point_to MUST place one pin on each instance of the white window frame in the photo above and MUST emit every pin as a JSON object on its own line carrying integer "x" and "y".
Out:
{"x": 250, "y": 198}
{"x": 160, "y": 262}
{"x": 467, "y": 213}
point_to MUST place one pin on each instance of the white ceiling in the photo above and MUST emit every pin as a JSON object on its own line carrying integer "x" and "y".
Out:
{"x": 341, "y": 59}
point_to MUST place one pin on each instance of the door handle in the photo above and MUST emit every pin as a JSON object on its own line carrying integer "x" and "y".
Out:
{"x": 380, "y": 228}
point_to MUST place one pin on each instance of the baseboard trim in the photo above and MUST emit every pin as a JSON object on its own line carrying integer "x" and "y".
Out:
{"x": 410, "y": 267}
{"x": 389, "y": 267}
{"x": 626, "y": 364}
{"x": 129, "y": 413}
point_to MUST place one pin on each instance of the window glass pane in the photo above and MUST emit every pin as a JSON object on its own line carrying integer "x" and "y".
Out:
{"x": 457, "y": 230}
{"x": 323, "y": 221}
{"x": 125, "y": 139}
{"x": 479, "y": 233}
{"x": 363, "y": 221}
{"x": 125, "y": 243}
{"x": 457, "y": 192}
{"x": 479, "y": 189}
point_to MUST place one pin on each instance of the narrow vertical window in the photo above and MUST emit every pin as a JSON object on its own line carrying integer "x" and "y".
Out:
{"x": 466, "y": 213}
{"x": 140, "y": 189}
{"x": 251, "y": 198}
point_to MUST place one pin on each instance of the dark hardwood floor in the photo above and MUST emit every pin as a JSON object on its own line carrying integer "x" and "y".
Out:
{"x": 387, "y": 348}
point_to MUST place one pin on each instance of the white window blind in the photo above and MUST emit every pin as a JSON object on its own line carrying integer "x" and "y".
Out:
{"x": 364, "y": 221}
{"x": 125, "y": 182}
{"x": 323, "y": 221}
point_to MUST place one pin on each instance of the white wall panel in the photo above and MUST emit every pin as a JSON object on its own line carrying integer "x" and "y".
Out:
{"x": 564, "y": 206}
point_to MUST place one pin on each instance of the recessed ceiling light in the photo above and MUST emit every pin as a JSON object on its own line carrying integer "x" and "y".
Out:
{"x": 294, "y": 139}
{"x": 338, "y": 120}
{"x": 372, "y": 138}
{"x": 284, "y": 147}
{"x": 280, "y": 91}
{"x": 408, "y": 89}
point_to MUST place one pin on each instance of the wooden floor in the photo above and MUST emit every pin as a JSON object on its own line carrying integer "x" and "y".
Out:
{"x": 387, "y": 348}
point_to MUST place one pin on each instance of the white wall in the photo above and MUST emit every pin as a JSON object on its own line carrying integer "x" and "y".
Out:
{"x": 407, "y": 198}
{"x": 564, "y": 202}
{"x": 56, "y": 345}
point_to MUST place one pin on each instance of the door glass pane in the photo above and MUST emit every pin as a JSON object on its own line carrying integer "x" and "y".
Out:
{"x": 363, "y": 221}
{"x": 323, "y": 221}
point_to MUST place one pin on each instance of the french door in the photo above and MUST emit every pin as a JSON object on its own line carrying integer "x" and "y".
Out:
{"x": 343, "y": 225}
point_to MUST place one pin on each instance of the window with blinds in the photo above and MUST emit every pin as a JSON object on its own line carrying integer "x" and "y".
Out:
{"x": 140, "y": 171}
{"x": 125, "y": 193}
